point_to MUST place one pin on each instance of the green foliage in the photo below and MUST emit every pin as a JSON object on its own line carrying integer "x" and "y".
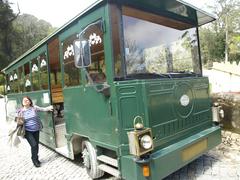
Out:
{"x": 6, "y": 31}
{"x": 2, "y": 82}
{"x": 28, "y": 32}
{"x": 220, "y": 41}
{"x": 212, "y": 45}
{"x": 18, "y": 33}
{"x": 235, "y": 48}
{"x": 2, "y": 79}
{"x": 2, "y": 90}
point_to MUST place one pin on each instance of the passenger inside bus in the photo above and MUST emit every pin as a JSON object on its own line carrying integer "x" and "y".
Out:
{"x": 97, "y": 70}
{"x": 98, "y": 77}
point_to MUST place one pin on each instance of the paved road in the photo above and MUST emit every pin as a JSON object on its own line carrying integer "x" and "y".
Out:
{"x": 222, "y": 163}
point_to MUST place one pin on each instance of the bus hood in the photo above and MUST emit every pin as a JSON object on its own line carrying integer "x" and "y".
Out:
{"x": 172, "y": 108}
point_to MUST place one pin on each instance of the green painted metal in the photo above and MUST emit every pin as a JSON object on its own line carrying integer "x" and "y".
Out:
{"x": 197, "y": 17}
{"x": 158, "y": 102}
{"x": 87, "y": 112}
{"x": 167, "y": 160}
{"x": 88, "y": 118}
{"x": 27, "y": 58}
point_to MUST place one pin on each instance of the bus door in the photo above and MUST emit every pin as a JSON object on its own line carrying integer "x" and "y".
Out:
{"x": 88, "y": 105}
{"x": 57, "y": 93}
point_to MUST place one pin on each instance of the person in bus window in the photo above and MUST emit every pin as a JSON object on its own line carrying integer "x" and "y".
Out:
{"x": 32, "y": 125}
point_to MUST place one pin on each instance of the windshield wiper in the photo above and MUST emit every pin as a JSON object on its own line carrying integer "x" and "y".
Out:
{"x": 182, "y": 73}
{"x": 147, "y": 75}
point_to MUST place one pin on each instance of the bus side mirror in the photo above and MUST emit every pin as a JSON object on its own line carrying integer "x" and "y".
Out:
{"x": 82, "y": 53}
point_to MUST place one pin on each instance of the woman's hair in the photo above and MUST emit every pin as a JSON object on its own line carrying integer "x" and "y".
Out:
{"x": 31, "y": 103}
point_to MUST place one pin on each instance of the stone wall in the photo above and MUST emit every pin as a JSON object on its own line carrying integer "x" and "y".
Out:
{"x": 224, "y": 77}
{"x": 230, "y": 103}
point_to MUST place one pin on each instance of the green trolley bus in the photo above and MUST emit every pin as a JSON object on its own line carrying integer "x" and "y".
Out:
{"x": 125, "y": 78}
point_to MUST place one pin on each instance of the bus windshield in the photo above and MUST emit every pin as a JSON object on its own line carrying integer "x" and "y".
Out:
{"x": 158, "y": 45}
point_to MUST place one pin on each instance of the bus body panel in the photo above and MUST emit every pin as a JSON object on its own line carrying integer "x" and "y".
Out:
{"x": 88, "y": 113}
{"x": 158, "y": 102}
{"x": 167, "y": 160}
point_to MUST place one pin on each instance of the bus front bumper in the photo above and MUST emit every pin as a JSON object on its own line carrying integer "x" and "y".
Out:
{"x": 167, "y": 160}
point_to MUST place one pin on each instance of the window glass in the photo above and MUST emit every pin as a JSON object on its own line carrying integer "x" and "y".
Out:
{"x": 54, "y": 62}
{"x": 15, "y": 82}
{"x": 21, "y": 79}
{"x": 43, "y": 71}
{"x": 71, "y": 73}
{"x": 97, "y": 70}
{"x": 10, "y": 79}
{"x": 35, "y": 74}
{"x": 116, "y": 38}
{"x": 8, "y": 87}
{"x": 27, "y": 82}
{"x": 159, "y": 47}
{"x": 56, "y": 77}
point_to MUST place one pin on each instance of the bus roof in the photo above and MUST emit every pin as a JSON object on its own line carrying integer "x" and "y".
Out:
{"x": 203, "y": 18}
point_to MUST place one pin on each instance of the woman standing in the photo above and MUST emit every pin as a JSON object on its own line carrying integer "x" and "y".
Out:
{"x": 32, "y": 125}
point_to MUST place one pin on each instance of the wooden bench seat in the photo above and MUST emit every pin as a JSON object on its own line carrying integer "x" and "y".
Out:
{"x": 57, "y": 94}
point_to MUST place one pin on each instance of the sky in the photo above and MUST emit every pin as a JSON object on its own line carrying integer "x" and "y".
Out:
{"x": 59, "y": 12}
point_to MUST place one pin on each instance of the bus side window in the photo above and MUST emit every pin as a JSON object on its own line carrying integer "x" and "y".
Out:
{"x": 27, "y": 82}
{"x": 43, "y": 71}
{"x": 97, "y": 69}
{"x": 35, "y": 75}
{"x": 8, "y": 88}
{"x": 55, "y": 69}
{"x": 71, "y": 73}
{"x": 15, "y": 81}
{"x": 21, "y": 79}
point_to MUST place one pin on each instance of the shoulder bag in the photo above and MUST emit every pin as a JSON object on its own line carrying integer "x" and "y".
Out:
{"x": 20, "y": 119}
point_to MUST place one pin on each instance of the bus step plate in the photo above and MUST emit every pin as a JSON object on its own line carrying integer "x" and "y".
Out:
{"x": 109, "y": 170}
{"x": 63, "y": 150}
{"x": 108, "y": 160}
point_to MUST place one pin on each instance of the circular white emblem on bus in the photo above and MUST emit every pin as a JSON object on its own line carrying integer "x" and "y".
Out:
{"x": 184, "y": 100}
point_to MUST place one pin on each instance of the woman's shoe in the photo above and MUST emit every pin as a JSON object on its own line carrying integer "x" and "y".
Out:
{"x": 36, "y": 164}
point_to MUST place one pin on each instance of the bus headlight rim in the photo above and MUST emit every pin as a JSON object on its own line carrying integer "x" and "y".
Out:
{"x": 146, "y": 141}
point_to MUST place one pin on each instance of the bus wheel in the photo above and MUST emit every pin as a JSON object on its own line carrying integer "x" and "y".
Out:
{"x": 90, "y": 160}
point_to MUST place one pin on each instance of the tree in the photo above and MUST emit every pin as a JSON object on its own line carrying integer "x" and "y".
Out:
{"x": 18, "y": 33}
{"x": 226, "y": 29}
{"x": 28, "y": 31}
{"x": 6, "y": 30}
{"x": 212, "y": 45}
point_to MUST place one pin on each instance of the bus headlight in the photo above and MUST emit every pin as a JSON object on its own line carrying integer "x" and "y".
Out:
{"x": 146, "y": 142}
{"x": 140, "y": 141}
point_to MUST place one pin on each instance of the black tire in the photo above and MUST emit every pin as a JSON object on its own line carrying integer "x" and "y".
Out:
{"x": 90, "y": 162}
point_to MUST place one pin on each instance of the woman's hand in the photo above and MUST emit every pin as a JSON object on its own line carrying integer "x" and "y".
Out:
{"x": 50, "y": 108}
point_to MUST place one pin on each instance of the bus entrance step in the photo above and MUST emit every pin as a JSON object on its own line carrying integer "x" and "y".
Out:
{"x": 109, "y": 170}
{"x": 108, "y": 160}
{"x": 64, "y": 151}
